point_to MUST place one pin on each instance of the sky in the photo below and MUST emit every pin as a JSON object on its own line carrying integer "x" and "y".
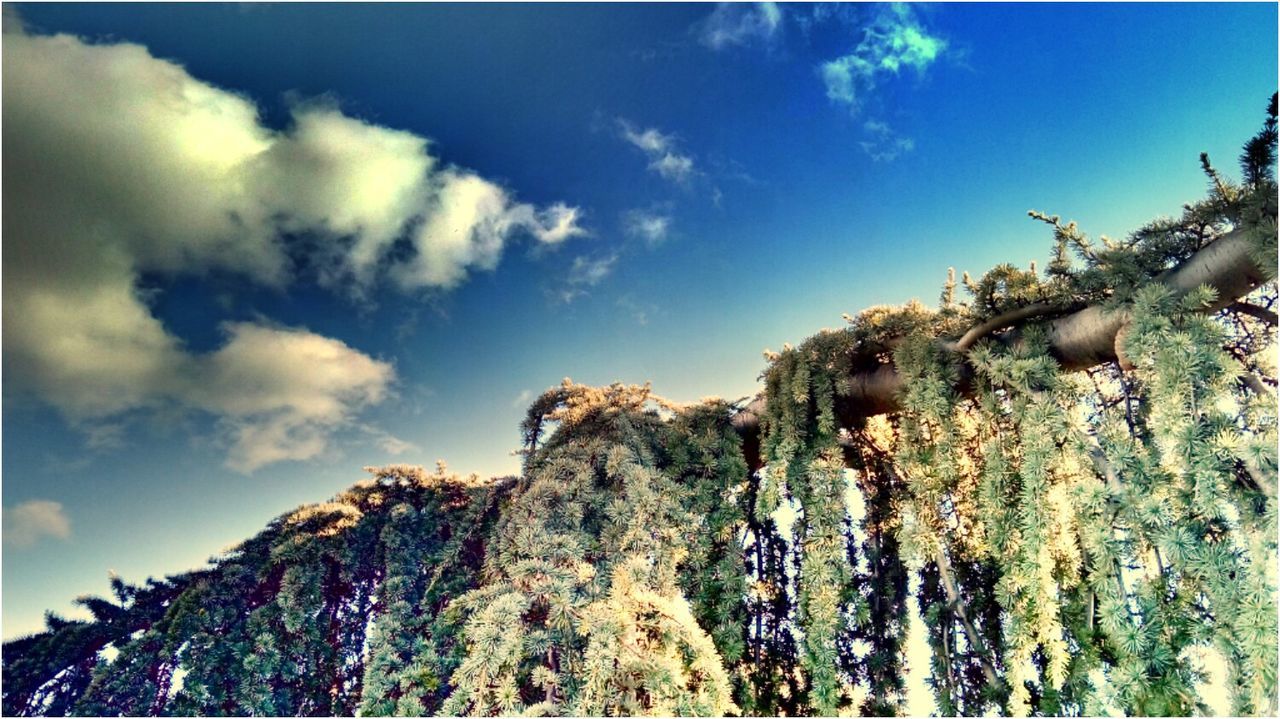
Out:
{"x": 251, "y": 249}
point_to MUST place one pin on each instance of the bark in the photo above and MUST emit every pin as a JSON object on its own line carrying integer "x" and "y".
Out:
{"x": 1080, "y": 340}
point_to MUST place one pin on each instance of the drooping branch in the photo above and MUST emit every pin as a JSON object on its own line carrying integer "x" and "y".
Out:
{"x": 957, "y": 604}
{"x": 1080, "y": 340}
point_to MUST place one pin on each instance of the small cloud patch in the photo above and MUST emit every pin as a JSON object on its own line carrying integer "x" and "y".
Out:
{"x": 661, "y": 149}
{"x": 733, "y": 24}
{"x": 585, "y": 273}
{"x": 589, "y": 272}
{"x": 882, "y": 144}
{"x": 651, "y": 225}
{"x": 558, "y": 223}
{"x": 394, "y": 445}
{"x": 28, "y": 522}
{"x": 895, "y": 40}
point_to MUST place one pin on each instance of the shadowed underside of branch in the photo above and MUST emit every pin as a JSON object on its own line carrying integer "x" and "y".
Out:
{"x": 1080, "y": 340}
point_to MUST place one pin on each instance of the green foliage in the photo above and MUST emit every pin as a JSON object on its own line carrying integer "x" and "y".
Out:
{"x": 804, "y": 459}
{"x": 871, "y": 651}
{"x": 278, "y": 624}
{"x": 1218, "y": 528}
{"x": 1258, "y": 161}
{"x": 706, "y": 462}
{"x": 582, "y": 612}
{"x": 1078, "y": 544}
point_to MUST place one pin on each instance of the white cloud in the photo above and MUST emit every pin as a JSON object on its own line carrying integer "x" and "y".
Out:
{"x": 590, "y": 272}
{"x": 674, "y": 167}
{"x": 394, "y": 445}
{"x": 661, "y": 149}
{"x": 651, "y": 225}
{"x": 652, "y": 141}
{"x": 388, "y": 442}
{"x": 882, "y": 144}
{"x": 740, "y": 24}
{"x": 28, "y": 522}
{"x": 467, "y": 227}
{"x": 119, "y": 164}
{"x": 281, "y": 392}
{"x": 586, "y": 272}
{"x": 895, "y": 39}
{"x": 558, "y": 223}
{"x": 347, "y": 179}
{"x": 12, "y": 21}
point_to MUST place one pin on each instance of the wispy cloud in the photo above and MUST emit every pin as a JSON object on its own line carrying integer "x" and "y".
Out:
{"x": 672, "y": 166}
{"x": 30, "y": 521}
{"x": 640, "y": 312}
{"x": 651, "y": 225}
{"x": 584, "y": 273}
{"x": 135, "y": 167}
{"x": 740, "y": 24}
{"x": 882, "y": 144}
{"x": 523, "y": 399}
{"x": 394, "y": 445}
{"x": 894, "y": 40}
{"x": 106, "y": 435}
{"x": 558, "y": 223}
{"x": 661, "y": 149}
{"x": 589, "y": 272}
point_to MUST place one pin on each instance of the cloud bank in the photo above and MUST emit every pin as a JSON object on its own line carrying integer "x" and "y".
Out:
{"x": 118, "y": 163}
{"x": 33, "y": 520}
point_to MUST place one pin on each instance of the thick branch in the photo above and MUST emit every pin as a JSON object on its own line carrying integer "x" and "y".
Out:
{"x": 1080, "y": 340}
{"x": 1248, "y": 308}
{"x": 1037, "y": 310}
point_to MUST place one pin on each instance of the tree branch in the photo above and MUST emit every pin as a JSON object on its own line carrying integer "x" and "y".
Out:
{"x": 1248, "y": 308}
{"x": 957, "y": 603}
{"x": 1080, "y": 340}
{"x": 1039, "y": 309}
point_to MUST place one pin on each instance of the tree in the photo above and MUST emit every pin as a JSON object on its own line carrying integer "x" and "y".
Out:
{"x": 1074, "y": 470}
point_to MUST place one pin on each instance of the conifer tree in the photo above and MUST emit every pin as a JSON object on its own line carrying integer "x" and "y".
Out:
{"x": 1075, "y": 469}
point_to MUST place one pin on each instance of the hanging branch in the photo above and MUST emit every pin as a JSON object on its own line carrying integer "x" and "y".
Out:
{"x": 945, "y": 573}
{"x": 956, "y": 602}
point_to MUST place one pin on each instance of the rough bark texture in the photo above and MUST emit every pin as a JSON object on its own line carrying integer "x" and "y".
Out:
{"x": 1080, "y": 340}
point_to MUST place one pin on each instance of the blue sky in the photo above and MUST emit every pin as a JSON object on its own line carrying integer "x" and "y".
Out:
{"x": 251, "y": 249}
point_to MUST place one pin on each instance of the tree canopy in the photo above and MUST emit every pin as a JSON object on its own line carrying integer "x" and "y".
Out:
{"x": 1072, "y": 468}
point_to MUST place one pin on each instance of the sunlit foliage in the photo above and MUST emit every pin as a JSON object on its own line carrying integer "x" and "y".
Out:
{"x": 1081, "y": 537}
